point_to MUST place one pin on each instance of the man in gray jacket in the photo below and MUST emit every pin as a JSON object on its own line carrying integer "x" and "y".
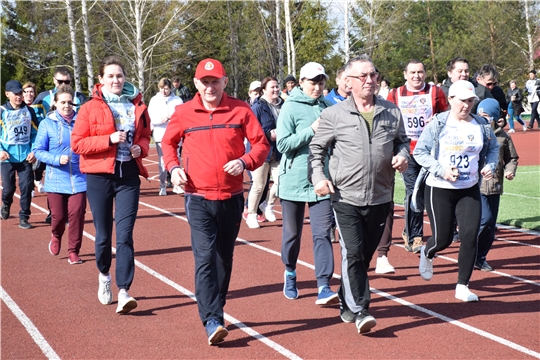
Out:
{"x": 364, "y": 140}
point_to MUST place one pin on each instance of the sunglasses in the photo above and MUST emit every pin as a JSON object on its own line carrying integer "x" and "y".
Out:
{"x": 67, "y": 82}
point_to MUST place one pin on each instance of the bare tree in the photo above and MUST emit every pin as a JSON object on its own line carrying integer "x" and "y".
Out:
{"x": 291, "y": 51}
{"x": 279, "y": 43}
{"x": 233, "y": 37}
{"x": 74, "y": 52}
{"x": 88, "y": 53}
{"x": 155, "y": 18}
{"x": 346, "y": 29}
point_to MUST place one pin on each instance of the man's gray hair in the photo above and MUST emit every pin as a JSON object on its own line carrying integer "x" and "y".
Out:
{"x": 359, "y": 58}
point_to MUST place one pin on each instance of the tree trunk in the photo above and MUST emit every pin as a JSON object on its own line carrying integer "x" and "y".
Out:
{"x": 234, "y": 46}
{"x": 346, "y": 30}
{"x": 431, "y": 45}
{"x": 74, "y": 52}
{"x": 139, "y": 47}
{"x": 89, "y": 67}
{"x": 529, "y": 35}
{"x": 279, "y": 44}
{"x": 288, "y": 36}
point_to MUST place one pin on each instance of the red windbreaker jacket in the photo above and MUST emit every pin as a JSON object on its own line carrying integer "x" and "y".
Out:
{"x": 212, "y": 139}
{"x": 94, "y": 125}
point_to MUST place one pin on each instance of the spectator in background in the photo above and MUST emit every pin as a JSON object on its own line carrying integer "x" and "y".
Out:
{"x": 489, "y": 77}
{"x": 29, "y": 93}
{"x": 290, "y": 83}
{"x": 514, "y": 97}
{"x": 17, "y": 134}
{"x": 180, "y": 90}
{"x": 342, "y": 91}
{"x": 384, "y": 89}
{"x": 491, "y": 190}
{"x": 66, "y": 185}
{"x": 533, "y": 89}
{"x": 44, "y": 100}
{"x": 266, "y": 108}
{"x": 253, "y": 92}
{"x": 160, "y": 109}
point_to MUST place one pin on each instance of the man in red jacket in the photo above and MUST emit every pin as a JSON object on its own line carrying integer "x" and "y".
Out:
{"x": 213, "y": 127}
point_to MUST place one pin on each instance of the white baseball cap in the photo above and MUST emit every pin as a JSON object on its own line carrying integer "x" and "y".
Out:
{"x": 311, "y": 70}
{"x": 462, "y": 89}
{"x": 254, "y": 85}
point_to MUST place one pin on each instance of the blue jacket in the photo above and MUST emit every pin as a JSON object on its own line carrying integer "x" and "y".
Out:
{"x": 264, "y": 114}
{"x": 52, "y": 141}
{"x": 14, "y": 124}
{"x": 334, "y": 97}
{"x": 426, "y": 151}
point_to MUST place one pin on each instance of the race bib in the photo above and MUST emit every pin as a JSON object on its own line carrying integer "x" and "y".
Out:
{"x": 124, "y": 120}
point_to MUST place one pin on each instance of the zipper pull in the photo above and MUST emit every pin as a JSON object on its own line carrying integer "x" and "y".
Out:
{"x": 210, "y": 117}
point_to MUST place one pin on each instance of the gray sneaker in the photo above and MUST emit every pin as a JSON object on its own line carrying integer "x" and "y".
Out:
{"x": 24, "y": 224}
{"x": 364, "y": 322}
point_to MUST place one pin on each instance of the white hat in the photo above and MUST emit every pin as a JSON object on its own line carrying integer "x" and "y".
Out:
{"x": 462, "y": 89}
{"x": 311, "y": 70}
{"x": 254, "y": 85}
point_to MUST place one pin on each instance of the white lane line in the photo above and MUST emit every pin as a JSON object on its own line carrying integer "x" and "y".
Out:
{"x": 401, "y": 301}
{"x": 272, "y": 344}
{"x": 29, "y": 326}
{"x": 523, "y": 196}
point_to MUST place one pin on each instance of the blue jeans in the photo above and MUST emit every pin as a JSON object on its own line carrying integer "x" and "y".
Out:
{"x": 101, "y": 192}
{"x": 26, "y": 184}
{"x": 511, "y": 116}
{"x": 486, "y": 233}
{"x": 321, "y": 219}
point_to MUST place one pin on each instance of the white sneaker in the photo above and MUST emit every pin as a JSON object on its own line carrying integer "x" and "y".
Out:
{"x": 162, "y": 191}
{"x": 252, "y": 222}
{"x": 268, "y": 211}
{"x": 524, "y": 127}
{"x": 39, "y": 186}
{"x": 426, "y": 265}
{"x": 178, "y": 190}
{"x": 511, "y": 131}
{"x": 464, "y": 294}
{"x": 104, "y": 290}
{"x": 125, "y": 303}
{"x": 33, "y": 193}
{"x": 383, "y": 266}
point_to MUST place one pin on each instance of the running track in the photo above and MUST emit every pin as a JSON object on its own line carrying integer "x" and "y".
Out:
{"x": 50, "y": 308}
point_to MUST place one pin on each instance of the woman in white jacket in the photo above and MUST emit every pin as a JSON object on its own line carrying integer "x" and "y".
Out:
{"x": 161, "y": 108}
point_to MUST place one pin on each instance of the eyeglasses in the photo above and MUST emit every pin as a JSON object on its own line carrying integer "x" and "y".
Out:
{"x": 363, "y": 77}
{"x": 67, "y": 82}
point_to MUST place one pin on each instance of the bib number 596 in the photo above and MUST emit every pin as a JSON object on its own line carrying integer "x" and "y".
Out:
{"x": 415, "y": 122}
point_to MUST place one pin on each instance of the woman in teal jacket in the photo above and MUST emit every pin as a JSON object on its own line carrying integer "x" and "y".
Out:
{"x": 297, "y": 123}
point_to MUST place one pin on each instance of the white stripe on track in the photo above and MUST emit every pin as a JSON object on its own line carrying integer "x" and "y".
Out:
{"x": 29, "y": 326}
{"x": 404, "y": 302}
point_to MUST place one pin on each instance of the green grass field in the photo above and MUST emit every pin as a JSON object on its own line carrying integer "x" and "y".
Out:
{"x": 520, "y": 203}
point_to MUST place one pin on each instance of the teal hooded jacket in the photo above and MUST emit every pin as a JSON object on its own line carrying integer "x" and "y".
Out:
{"x": 294, "y": 133}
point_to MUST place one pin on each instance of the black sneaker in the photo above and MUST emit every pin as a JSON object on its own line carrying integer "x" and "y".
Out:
{"x": 48, "y": 219}
{"x": 4, "y": 212}
{"x": 24, "y": 224}
{"x": 345, "y": 313}
{"x": 365, "y": 322}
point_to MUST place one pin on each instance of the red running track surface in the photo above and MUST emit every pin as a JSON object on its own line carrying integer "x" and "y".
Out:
{"x": 50, "y": 308}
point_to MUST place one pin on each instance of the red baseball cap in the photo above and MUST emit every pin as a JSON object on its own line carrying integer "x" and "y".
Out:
{"x": 210, "y": 67}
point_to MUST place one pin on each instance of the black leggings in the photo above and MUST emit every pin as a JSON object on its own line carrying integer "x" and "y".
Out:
{"x": 443, "y": 205}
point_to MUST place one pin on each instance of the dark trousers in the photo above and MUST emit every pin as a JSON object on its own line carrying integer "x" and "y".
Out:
{"x": 26, "y": 185}
{"x": 414, "y": 221}
{"x": 214, "y": 227}
{"x": 320, "y": 216}
{"x": 386, "y": 238}
{"x": 40, "y": 169}
{"x": 534, "y": 114}
{"x": 360, "y": 230}
{"x": 486, "y": 233}
{"x": 64, "y": 208}
{"x": 445, "y": 205}
{"x": 101, "y": 191}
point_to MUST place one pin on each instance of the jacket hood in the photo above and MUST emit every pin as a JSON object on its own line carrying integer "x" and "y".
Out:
{"x": 129, "y": 93}
{"x": 298, "y": 95}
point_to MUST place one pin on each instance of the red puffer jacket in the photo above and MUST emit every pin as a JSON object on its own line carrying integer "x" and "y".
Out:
{"x": 95, "y": 124}
{"x": 211, "y": 140}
